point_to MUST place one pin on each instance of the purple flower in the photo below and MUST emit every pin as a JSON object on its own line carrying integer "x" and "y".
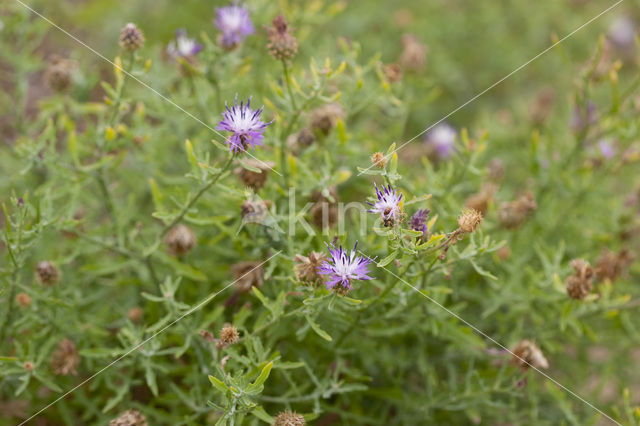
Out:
{"x": 388, "y": 205}
{"x": 183, "y": 46}
{"x": 344, "y": 267}
{"x": 245, "y": 125}
{"x": 234, "y": 23}
{"x": 418, "y": 221}
{"x": 584, "y": 117}
{"x": 442, "y": 137}
{"x": 606, "y": 149}
{"x": 622, "y": 32}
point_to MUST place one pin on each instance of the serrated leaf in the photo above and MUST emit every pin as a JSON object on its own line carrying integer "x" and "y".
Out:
{"x": 319, "y": 331}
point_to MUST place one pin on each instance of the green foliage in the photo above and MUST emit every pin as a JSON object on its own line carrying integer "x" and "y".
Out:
{"x": 98, "y": 177}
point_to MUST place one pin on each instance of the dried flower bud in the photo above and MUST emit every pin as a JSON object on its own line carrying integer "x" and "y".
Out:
{"x": 393, "y": 72}
{"x": 282, "y": 44}
{"x": 579, "y": 284}
{"x": 513, "y": 214}
{"x": 129, "y": 418}
{"x": 248, "y": 274}
{"x": 228, "y": 335}
{"x": 65, "y": 359}
{"x": 207, "y": 335}
{"x": 135, "y": 314}
{"x": 504, "y": 253}
{"x": 23, "y": 299}
{"x": 414, "y": 53}
{"x": 255, "y": 211}
{"x": 324, "y": 118}
{"x": 289, "y": 418}
{"x": 612, "y": 265}
{"x": 58, "y": 75}
{"x": 254, "y": 180}
{"x": 306, "y": 268}
{"x": 47, "y": 273}
{"x": 480, "y": 201}
{"x": 379, "y": 160}
{"x": 131, "y": 37}
{"x": 469, "y": 220}
{"x": 495, "y": 169}
{"x": 28, "y": 365}
{"x": 180, "y": 240}
{"x": 527, "y": 354}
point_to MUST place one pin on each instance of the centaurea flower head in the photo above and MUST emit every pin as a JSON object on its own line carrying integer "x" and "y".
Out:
{"x": 418, "y": 221}
{"x": 234, "y": 23}
{"x": 245, "y": 125}
{"x": 388, "y": 205}
{"x": 183, "y": 47}
{"x": 343, "y": 268}
{"x": 442, "y": 139}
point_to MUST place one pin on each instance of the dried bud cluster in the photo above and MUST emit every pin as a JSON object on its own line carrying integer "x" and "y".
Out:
{"x": 47, "y": 273}
{"x": 248, "y": 274}
{"x": 414, "y": 53}
{"x": 306, "y": 268}
{"x": 528, "y": 354}
{"x": 135, "y": 314}
{"x": 254, "y": 180}
{"x": 392, "y": 72}
{"x": 228, "y": 335}
{"x": 58, "y": 75}
{"x": 303, "y": 139}
{"x": 131, "y": 37}
{"x": 65, "y": 359}
{"x": 512, "y": 214}
{"x": 180, "y": 240}
{"x": 324, "y": 213}
{"x": 469, "y": 220}
{"x": 23, "y": 299}
{"x": 255, "y": 211}
{"x": 289, "y": 418}
{"x": 324, "y": 118}
{"x": 579, "y": 284}
{"x": 282, "y": 44}
{"x": 611, "y": 265}
{"x": 379, "y": 160}
{"x": 129, "y": 418}
{"x": 481, "y": 200}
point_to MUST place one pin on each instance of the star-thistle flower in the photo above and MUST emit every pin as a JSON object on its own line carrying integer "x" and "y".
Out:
{"x": 442, "y": 138}
{"x": 234, "y": 23}
{"x": 343, "y": 268}
{"x": 418, "y": 221}
{"x": 183, "y": 46}
{"x": 245, "y": 125}
{"x": 388, "y": 205}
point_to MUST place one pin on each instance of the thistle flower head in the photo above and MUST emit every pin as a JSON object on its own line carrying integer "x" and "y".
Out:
{"x": 418, "y": 221}
{"x": 282, "y": 44}
{"x": 579, "y": 284}
{"x": 343, "y": 268}
{"x": 306, "y": 267}
{"x": 234, "y": 23}
{"x": 180, "y": 240}
{"x": 388, "y": 205}
{"x": 528, "y": 354}
{"x": 65, "y": 359}
{"x": 228, "y": 335}
{"x": 47, "y": 273}
{"x": 379, "y": 160}
{"x": 248, "y": 274}
{"x": 23, "y": 299}
{"x": 442, "y": 139}
{"x": 469, "y": 220}
{"x": 59, "y": 74}
{"x": 289, "y": 418}
{"x": 183, "y": 46}
{"x": 131, "y": 37}
{"x": 245, "y": 125}
{"x": 254, "y": 180}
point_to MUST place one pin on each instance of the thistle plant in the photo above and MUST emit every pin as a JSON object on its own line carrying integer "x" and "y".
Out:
{"x": 279, "y": 213}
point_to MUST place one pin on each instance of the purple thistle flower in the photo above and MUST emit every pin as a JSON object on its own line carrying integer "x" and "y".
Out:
{"x": 234, "y": 23}
{"x": 442, "y": 138}
{"x": 343, "y": 267}
{"x": 245, "y": 124}
{"x": 607, "y": 149}
{"x": 183, "y": 46}
{"x": 388, "y": 205}
{"x": 418, "y": 221}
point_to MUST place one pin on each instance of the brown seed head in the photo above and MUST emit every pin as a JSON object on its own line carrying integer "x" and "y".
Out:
{"x": 28, "y": 365}
{"x": 512, "y": 214}
{"x": 129, "y": 418}
{"x": 131, "y": 38}
{"x": 481, "y": 200}
{"x": 248, "y": 274}
{"x": 254, "y": 180}
{"x": 527, "y": 354}
{"x": 135, "y": 314}
{"x": 469, "y": 220}
{"x": 393, "y": 72}
{"x": 282, "y": 44}
{"x": 324, "y": 118}
{"x": 65, "y": 359}
{"x": 47, "y": 273}
{"x": 579, "y": 284}
{"x": 289, "y": 418}
{"x": 23, "y": 299}
{"x": 59, "y": 74}
{"x": 611, "y": 265}
{"x": 414, "y": 53}
{"x": 379, "y": 160}
{"x": 255, "y": 211}
{"x": 228, "y": 335}
{"x": 306, "y": 268}
{"x": 180, "y": 240}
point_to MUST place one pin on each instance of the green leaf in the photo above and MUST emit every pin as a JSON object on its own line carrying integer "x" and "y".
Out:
{"x": 319, "y": 331}
{"x": 257, "y": 385}
{"x": 218, "y": 384}
{"x": 387, "y": 260}
{"x": 262, "y": 415}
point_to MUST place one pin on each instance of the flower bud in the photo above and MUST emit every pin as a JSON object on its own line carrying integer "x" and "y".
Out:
{"x": 282, "y": 45}
{"x": 527, "y": 354}
{"x": 611, "y": 265}
{"x": 306, "y": 268}
{"x": 131, "y": 37}
{"x": 579, "y": 284}
{"x": 28, "y": 365}
{"x": 248, "y": 274}
{"x": 289, "y": 418}
{"x": 469, "y": 220}
{"x": 58, "y": 75}
{"x": 379, "y": 160}
{"x": 47, "y": 273}
{"x": 23, "y": 299}
{"x": 135, "y": 314}
{"x": 393, "y": 72}
{"x": 324, "y": 118}
{"x": 180, "y": 240}
{"x": 228, "y": 335}
{"x": 414, "y": 53}
{"x": 254, "y": 180}
{"x": 129, "y": 418}
{"x": 512, "y": 214}
{"x": 65, "y": 359}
